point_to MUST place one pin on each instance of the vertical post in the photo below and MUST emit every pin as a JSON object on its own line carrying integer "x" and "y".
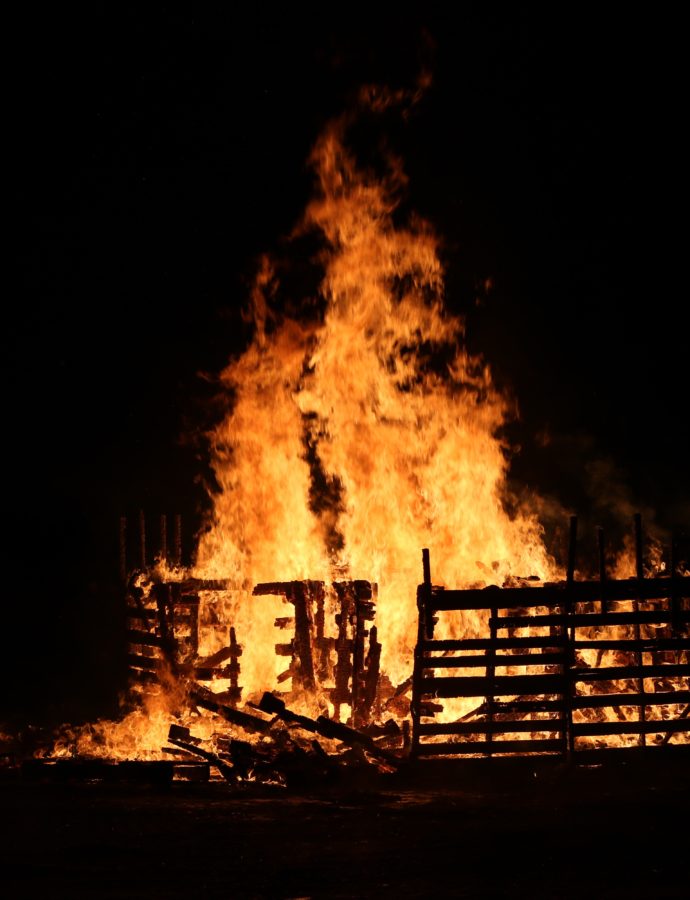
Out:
{"x": 164, "y": 538}
{"x": 142, "y": 539}
{"x": 178, "y": 540}
{"x": 639, "y": 656}
{"x": 490, "y": 679}
{"x": 569, "y": 639}
{"x": 423, "y": 633}
{"x": 343, "y": 646}
{"x": 673, "y": 564}
{"x": 123, "y": 549}
{"x": 364, "y": 612}
{"x": 372, "y": 674}
{"x": 234, "y": 669}
{"x": 321, "y": 642}
{"x": 428, "y": 615}
{"x": 301, "y": 600}
{"x": 572, "y": 550}
{"x": 602, "y": 569}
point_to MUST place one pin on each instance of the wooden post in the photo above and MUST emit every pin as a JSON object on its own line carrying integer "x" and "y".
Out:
{"x": 164, "y": 538}
{"x": 142, "y": 539}
{"x": 428, "y": 616}
{"x": 490, "y": 676}
{"x": 177, "y": 559}
{"x": 233, "y": 669}
{"x": 321, "y": 642}
{"x": 639, "y": 656}
{"x": 423, "y": 597}
{"x": 372, "y": 675}
{"x": 343, "y": 645}
{"x": 569, "y": 638}
{"x": 123, "y": 549}
{"x": 602, "y": 569}
{"x": 675, "y": 600}
{"x": 303, "y": 618}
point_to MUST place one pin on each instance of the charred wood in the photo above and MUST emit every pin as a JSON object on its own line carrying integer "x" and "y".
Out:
{"x": 207, "y": 700}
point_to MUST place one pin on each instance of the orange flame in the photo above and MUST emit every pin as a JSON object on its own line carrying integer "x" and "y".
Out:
{"x": 407, "y": 447}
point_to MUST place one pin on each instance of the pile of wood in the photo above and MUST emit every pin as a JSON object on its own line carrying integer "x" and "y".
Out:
{"x": 336, "y": 660}
{"x": 270, "y": 743}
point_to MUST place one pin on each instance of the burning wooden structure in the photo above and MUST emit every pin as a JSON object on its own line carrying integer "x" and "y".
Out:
{"x": 573, "y": 669}
{"x": 337, "y": 660}
{"x": 556, "y": 658}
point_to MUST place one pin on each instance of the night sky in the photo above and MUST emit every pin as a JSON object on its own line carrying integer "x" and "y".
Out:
{"x": 155, "y": 155}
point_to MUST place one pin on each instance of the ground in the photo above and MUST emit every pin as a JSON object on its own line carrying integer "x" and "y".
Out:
{"x": 551, "y": 832}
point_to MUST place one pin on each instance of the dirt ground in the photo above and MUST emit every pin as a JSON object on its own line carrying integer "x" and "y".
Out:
{"x": 618, "y": 832}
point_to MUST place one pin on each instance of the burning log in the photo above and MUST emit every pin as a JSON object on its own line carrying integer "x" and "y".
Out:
{"x": 325, "y": 727}
{"x": 183, "y": 739}
{"x": 207, "y": 700}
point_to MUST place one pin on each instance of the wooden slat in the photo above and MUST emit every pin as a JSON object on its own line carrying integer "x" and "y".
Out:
{"x": 509, "y": 643}
{"x": 615, "y": 673}
{"x": 150, "y": 663}
{"x": 145, "y": 638}
{"x": 133, "y": 612}
{"x": 646, "y": 645}
{"x": 659, "y": 698}
{"x": 186, "y": 600}
{"x": 143, "y": 677}
{"x": 191, "y": 585}
{"x": 472, "y": 686}
{"x": 587, "y": 620}
{"x": 550, "y": 595}
{"x": 459, "y": 748}
{"x": 495, "y": 727}
{"x": 469, "y": 662}
{"x": 647, "y": 727}
{"x": 601, "y": 754}
{"x": 527, "y": 706}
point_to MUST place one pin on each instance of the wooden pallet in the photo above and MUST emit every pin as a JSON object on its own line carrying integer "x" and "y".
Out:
{"x": 565, "y": 668}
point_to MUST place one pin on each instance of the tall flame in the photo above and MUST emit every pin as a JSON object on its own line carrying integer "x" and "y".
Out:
{"x": 365, "y": 431}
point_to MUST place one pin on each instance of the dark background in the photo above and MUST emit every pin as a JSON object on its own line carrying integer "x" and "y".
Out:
{"x": 154, "y": 155}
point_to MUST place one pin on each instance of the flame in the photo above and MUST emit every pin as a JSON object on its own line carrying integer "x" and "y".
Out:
{"x": 374, "y": 401}
{"x": 359, "y": 429}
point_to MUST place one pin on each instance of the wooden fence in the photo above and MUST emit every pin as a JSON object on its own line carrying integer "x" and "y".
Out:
{"x": 575, "y": 667}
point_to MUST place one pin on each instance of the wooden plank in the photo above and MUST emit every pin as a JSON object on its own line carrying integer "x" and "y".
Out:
{"x": 133, "y": 612}
{"x": 150, "y": 663}
{"x": 629, "y": 727}
{"x": 646, "y": 645}
{"x": 615, "y": 673}
{"x": 551, "y": 595}
{"x": 495, "y": 727}
{"x": 145, "y": 638}
{"x": 463, "y": 748}
{"x": 205, "y": 698}
{"x": 469, "y": 662}
{"x": 659, "y": 698}
{"x": 472, "y": 686}
{"x": 509, "y": 643}
{"x": 586, "y": 620}
{"x": 659, "y": 752}
{"x": 528, "y": 706}
{"x": 141, "y": 676}
{"x": 186, "y": 600}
